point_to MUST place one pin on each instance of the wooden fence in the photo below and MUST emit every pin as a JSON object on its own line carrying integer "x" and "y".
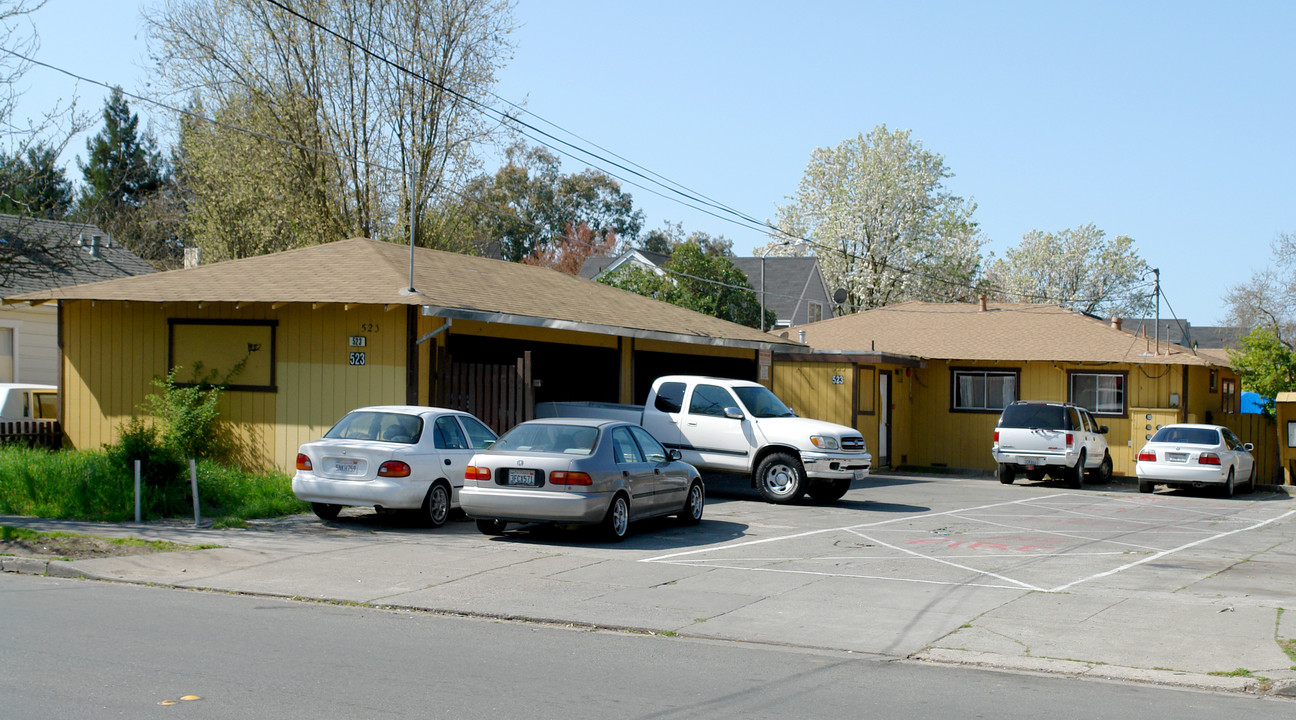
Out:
{"x": 499, "y": 395}
{"x": 33, "y": 433}
{"x": 1262, "y": 433}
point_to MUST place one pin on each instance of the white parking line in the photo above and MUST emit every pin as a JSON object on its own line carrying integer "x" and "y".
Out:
{"x": 1164, "y": 553}
{"x": 943, "y": 561}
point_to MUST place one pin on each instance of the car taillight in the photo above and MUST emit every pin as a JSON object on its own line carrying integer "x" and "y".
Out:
{"x": 1208, "y": 459}
{"x": 1070, "y": 439}
{"x": 996, "y": 436}
{"x": 303, "y": 462}
{"x": 477, "y": 473}
{"x": 562, "y": 477}
{"x": 393, "y": 468}
{"x": 1147, "y": 456}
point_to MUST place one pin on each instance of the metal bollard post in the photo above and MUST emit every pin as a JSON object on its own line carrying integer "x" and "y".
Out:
{"x": 137, "y": 492}
{"x": 193, "y": 482}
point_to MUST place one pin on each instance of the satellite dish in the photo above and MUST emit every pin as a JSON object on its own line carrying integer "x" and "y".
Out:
{"x": 839, "y": 295}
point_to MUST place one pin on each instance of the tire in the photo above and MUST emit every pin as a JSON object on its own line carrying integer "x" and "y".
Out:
{"x": 780, "y": 478}
{"x": 1007, "y": 474}
{"x": 1102, "y": 473}
{"x": 491, "y": 527}
{"x": 1146, "y": 486}
{"x": 616, "y": 523}
{"x": 1075, "y": 475}
{"x": 1228, "y": 485}
{"x": 694, "y": 502}
{"x": 826, "y": 491}
{"x": 325, "y": 511}
{"x": 436, "y": 505}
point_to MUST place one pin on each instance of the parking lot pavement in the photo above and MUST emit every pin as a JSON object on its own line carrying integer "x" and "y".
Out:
{"x": 1100, "y": 581}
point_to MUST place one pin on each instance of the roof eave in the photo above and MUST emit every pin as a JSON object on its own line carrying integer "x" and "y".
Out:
{"x": 638, "y": 333}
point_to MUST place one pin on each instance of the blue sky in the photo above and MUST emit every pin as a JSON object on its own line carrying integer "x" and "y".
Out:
{"x": 1170, "y": 122}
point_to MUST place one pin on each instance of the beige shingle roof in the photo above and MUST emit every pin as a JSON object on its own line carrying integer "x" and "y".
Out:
{"x": 1006, "y": 332}
{"x": 363, "y": 272}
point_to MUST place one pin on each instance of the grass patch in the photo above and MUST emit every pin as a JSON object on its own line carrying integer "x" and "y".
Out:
{"x": 1240, "y": 672}
{"x": 89, "y": 485}
{"x": 1289, "y": 647}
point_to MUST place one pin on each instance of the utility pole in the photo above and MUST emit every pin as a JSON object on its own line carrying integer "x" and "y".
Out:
{"x": 1157, "y": 291}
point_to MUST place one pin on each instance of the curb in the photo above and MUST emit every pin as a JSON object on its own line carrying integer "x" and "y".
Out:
{"x": 1097, "y": 671}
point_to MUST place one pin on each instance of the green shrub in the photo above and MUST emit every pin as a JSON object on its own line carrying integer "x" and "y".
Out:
{"x": 190, "y": 415}
{"x": 163, "y": 478}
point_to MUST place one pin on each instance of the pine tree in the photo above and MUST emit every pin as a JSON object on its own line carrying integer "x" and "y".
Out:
{"x": 124, "y": 167}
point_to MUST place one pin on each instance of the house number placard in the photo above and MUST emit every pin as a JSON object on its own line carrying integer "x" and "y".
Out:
{"x": 838, "y": 380}
{"x": 357, "y": 341}
{"x": 357, "y": 358}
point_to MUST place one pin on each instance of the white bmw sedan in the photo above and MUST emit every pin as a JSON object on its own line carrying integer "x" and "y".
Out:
{"x": 1185, "y": 455}
{"x": 393, "y": 457}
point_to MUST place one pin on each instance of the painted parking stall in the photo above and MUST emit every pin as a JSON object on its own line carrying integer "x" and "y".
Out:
{"x": 1049, "y": 543}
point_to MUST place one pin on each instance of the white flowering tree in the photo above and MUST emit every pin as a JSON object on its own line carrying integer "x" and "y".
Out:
{"x": 1081, "y": 269}
{"x": 877, "y": 214}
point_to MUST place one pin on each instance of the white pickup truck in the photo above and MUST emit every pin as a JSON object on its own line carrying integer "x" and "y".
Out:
{"x": 738, "y": 426}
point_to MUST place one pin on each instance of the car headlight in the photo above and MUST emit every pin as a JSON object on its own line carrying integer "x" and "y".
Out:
{"x": 825, "y": 442}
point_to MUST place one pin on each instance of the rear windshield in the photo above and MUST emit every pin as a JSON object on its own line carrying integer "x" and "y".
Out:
{"x": 1187, "y": 436}
{"x": 543, "y": 437}
{"x": 1029, "y": 415}
{"x": 381, "y": 426}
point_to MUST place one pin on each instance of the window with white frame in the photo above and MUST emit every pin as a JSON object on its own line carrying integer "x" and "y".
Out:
{"x": 814, "y": 313}
{"x": 7, "y": 360}
{"x": 1099, "y": 393}
{"x": 984, "y": 390}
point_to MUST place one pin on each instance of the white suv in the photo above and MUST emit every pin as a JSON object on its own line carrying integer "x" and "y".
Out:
{"x": 1056, "y": 438}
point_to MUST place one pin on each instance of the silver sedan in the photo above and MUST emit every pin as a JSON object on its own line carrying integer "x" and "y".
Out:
{"x": 1188, "y": 455}
{"x": 579, "y": 472}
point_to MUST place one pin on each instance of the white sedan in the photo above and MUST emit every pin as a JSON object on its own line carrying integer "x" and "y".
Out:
{"x": 1185, "y": 455}
{"x": 392, "y": 457}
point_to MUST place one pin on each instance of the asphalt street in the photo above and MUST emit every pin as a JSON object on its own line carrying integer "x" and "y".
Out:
{"x": 1177, "y": 587}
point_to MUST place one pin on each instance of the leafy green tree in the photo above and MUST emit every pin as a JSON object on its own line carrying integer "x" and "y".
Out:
{"x": 1265, "y": 365}
{"x": 539, "y": 202}
{"x": 1077, "y": 268}
{"x": 33, "y": 184}
{"x": 698, "y": 280}
{"x": 877, "y": 214}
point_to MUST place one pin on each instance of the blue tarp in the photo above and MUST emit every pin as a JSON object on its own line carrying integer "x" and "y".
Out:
{"x": 1252, "y": 402}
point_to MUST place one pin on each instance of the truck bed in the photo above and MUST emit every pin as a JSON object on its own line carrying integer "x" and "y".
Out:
{"x": 601, "y": 410}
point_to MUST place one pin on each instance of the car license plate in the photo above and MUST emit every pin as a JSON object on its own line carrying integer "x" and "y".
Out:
{"x": 522, "y": 477}
{"x": 347, "y": 467}
{"x": 1176, "y": 457}
{"x": 860, "y": 474}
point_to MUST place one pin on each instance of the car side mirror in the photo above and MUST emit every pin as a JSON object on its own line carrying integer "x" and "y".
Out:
{"x": 1248, "y": 447}
{"x": 733, "y": 413}
{"x": 674, "y": 454}
{"x": 1102, "y": 429}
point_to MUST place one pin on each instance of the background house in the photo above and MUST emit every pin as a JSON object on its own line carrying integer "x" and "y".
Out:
{"x": 975, "y": 358}
{"x": 1182, "y": 332}
{"x": 53, "y": 254}
{"x": 792, "y": 287}
{"x": 324, "y": 329}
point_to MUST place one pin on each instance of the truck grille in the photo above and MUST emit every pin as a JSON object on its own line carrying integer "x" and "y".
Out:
{"x": 852, "y": 444}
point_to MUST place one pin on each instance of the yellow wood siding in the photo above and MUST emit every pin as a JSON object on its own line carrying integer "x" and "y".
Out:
{"x": 808, "y": 388}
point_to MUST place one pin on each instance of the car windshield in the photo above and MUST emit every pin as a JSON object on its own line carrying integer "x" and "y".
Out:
{"x": 549, "y": 438}
{"x": 380, "y": 426}
{"x": 762, "y": 403}
{"x": 1187, "y": 436}
{"x": 1030, "y": 415}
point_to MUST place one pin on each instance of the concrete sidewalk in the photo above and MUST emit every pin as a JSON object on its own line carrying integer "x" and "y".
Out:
{"x": 804, "y": 576}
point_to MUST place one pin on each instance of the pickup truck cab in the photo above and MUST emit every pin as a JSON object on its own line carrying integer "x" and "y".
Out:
{"x": 1054, "y": 438}
{"x": 740, "y": 427}
{"x": 21, "y": 402}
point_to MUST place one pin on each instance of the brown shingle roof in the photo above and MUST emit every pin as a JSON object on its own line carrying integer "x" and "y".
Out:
{"x": 1004, "y": 331}
{"x": 371, "y": 272}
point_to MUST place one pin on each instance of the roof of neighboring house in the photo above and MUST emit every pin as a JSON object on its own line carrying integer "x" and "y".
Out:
{"x": 1004, "y": 331}
{"x": 595, "y": 265}
{"x": 63, "y": 255}
{"x": 789, "y": 281}
{"x": 371, "y": 272}
{"x": 1185, "y": 333}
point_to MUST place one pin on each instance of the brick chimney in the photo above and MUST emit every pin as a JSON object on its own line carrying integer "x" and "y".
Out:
{"x": 1116, "y": 323}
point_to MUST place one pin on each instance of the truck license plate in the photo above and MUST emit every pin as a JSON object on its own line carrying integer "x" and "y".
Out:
{"x": 525, "y": 478}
